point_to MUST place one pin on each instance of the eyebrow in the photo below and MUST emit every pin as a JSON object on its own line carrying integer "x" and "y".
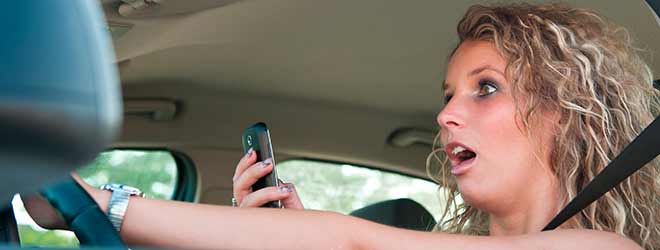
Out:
{"x": 474, "y": 72}
{"x": 482, "y": 68}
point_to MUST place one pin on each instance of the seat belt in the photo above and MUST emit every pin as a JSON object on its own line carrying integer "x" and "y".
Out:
{"x": 644, "y": 148}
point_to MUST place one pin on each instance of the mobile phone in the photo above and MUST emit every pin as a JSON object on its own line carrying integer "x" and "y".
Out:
{"x": 257, "y": 137}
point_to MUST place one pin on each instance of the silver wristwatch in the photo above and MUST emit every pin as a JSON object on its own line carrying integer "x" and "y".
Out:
{"x": 119, "y": 202}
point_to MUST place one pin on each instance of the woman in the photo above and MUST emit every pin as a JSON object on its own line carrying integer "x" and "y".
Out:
{"x": 538, "y": 100}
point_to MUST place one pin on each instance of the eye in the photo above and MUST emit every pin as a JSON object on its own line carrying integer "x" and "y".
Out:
{"x": 487, "y": 87}
{"x": 448, "y": 98}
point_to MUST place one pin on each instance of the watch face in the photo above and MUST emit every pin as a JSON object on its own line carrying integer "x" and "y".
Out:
{"x": 121, "y": 187}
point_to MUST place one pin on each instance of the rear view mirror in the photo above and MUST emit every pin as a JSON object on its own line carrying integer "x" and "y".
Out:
{"x": 60, "y": 102}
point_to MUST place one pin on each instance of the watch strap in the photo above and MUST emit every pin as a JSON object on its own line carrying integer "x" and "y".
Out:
{"x": 117, "y": 207}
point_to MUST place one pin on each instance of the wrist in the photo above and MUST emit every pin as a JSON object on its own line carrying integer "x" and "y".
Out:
{"x": 119, "y": 200}
{"x": 102, "y": 198}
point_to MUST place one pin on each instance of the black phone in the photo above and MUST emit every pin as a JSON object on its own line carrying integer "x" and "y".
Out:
{"x": 257, "y": 137}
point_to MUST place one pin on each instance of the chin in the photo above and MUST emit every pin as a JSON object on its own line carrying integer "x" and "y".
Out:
{"x": 474, "y": 193}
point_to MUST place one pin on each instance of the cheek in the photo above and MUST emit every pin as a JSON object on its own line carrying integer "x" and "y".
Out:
{"x": 504, "y": 152}
{"x": 498, "y": 128}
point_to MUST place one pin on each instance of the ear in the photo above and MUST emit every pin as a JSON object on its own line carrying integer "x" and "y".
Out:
{"x": 556, "y": 117}
{"x": 554, "y": 120}
{"x": 548, "y": 122}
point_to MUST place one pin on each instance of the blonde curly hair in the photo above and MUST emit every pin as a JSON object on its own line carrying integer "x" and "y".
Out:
{"x": 574, "y": 62}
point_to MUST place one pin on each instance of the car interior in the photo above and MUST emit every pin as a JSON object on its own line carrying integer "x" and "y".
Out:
{"x": 345, "y": 83}
{"x": 333, "y": 80}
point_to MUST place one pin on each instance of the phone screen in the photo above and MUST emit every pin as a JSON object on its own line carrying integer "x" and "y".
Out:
{"x": 257, "y": 137}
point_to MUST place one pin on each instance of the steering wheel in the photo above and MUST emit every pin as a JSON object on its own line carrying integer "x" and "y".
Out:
{"x": 83, "y": 216}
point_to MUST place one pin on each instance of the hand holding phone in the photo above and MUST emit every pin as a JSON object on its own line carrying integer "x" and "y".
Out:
{"x": 255, "y": 182}
{"x": 257, "y": 138}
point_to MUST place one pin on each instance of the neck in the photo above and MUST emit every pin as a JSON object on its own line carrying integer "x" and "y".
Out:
{"x": 530, "y": 213}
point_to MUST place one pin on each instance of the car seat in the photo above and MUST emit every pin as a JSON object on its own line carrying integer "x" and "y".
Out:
{"x": 401, "y": 213}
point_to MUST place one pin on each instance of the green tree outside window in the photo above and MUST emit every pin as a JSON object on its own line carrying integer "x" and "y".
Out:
{"x": 152, "y": 171}
{"x": 343, "y": 188}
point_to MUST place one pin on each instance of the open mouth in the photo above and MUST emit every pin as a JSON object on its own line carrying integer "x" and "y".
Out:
{"x": 463, "y": 154}
{"x": 460, "y": 156}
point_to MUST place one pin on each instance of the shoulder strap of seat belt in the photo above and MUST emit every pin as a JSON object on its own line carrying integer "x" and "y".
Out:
{"x": 640, "y": 151}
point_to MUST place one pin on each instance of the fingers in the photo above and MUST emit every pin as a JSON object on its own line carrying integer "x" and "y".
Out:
{"x": 43, "y": 213}
{"x": 243, "y": 183}
{"x": 292, "y": 201}
{"x": 248, "y": 159}
{"x": 247, "y": 172}
{"x": 264, "y": 195}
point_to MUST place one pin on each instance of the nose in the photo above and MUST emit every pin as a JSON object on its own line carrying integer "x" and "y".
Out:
{"x": 451, "y": 116}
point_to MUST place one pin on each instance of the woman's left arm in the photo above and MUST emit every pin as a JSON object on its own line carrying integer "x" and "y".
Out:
{"x": 151, "y": 222}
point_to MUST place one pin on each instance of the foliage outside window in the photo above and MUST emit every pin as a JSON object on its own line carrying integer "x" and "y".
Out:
{"x": 153, "y": 172}
{"x": 343, "y": 188}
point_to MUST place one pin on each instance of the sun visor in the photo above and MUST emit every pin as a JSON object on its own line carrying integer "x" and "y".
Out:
{"x": 60, "y": 102}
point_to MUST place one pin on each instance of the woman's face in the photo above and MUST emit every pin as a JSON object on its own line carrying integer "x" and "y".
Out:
{"x": 495, "y": 165}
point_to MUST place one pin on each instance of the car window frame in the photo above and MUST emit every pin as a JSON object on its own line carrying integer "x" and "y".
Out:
{"x": 187, "y": 182}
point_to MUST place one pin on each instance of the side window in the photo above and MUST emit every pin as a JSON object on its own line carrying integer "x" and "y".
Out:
{"x": 343, "y": 188}
{"x": 155, "y": 172}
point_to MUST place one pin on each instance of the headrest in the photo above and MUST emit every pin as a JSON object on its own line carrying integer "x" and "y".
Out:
{"x": 401, "y": 213}
{"x": 60, "y": 102}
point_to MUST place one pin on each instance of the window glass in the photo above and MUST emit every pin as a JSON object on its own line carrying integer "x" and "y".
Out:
{"x": 344, "y": 188}
{"x": 153, "y": 171}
